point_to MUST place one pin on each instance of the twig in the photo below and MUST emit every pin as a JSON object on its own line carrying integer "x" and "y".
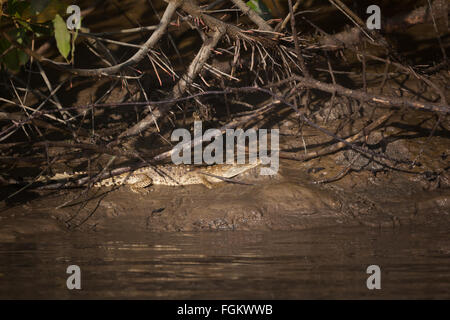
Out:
{"x": 245, "y": 119}
{"x": 178, "y": 90}
{"x": 283, "y": 24}
{"x": 138, "y": 56}
{"x": 296, "y": 43}
{"x": 339, "y": 145}
{"x": 367, "y": 97}
{"x": 260, "y": 22}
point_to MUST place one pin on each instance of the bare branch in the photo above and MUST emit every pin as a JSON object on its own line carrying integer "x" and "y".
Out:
{"x": 260, "y": 22}
{"x": 179, "y": 89}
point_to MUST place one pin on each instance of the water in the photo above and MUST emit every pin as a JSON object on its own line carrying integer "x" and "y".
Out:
{"x": 322, "y": 263}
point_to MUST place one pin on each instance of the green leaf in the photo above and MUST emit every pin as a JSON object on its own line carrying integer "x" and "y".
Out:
{"x": 260, "y": 8}
{"x": 62, "y": 36}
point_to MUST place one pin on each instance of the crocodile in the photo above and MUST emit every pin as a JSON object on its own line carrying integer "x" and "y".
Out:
{"x": 169, "y": 175}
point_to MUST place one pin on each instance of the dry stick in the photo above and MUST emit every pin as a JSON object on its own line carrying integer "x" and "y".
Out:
{"x": 364, "y": 74}
{"x": 35, "y": 114}
{"x": 283, "y": 24}
{"x": 342, "y": 6}
{"x": 96, "y": 178}
{"x": 339, "y": 145}
{"x": 352, "y": 16}
{"x": 396, "y": 64}
{"x": 415, "y": 74}
{"x": 65, "y": 114}
{"x": 433, "y": 130}
{"x": 38, "y": 93}
{"x": 138, "y": 56}
{"x": 296, "y": 43}
{"x": 314, "y": 125}
{"x": 87, "y": 146}
{"x": 356, "y": 94}
{"x": 22, "y": 119}
{"x": 260, "y": 22}
{"x": 96, "y": 46}
{"x": 36, "y": 111}
{"x": 231, "y": 125}
{"x": 29, "y": 73}
{"x": 333, "y": 78}
{"x": 245, "y": 119}
{"x": 142, "y": 52}
{"x": 19, "y": 99}
{"x": 398, "y": 22}
{"x": 34, "y": 180}
{"x": 362, "y": 26}
{"x": 444, "y": 54}
{"x": 134, "y": 103}
{"x": 298, "y": 51}
{"x": 340, "y": 174}
{"x": 120, "y": 43}
{"x": 186, "y": 80}
{"x": 385, "y": 76}
{"x": 88, "y": 216}
{"x": 235, "y": 32}
{"x": 4, "y": 53}
{"x": 169, "y": 36}
{"x": 82, "y": 181}
{"x": 132, "y": 30}
{"x": 366, "y": 97}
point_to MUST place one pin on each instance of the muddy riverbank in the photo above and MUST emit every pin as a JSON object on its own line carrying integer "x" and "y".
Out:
{"x": 290, "y": 201}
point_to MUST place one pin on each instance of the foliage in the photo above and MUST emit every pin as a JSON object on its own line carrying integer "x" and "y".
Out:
{"x": 23, "y": 21}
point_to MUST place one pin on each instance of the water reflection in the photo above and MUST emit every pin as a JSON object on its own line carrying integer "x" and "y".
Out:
{"x": 323, "y": 263}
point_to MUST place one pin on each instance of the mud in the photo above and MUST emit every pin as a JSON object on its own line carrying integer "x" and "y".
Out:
{"x": 289, "y": 201}
{"x": 340, "y": 189}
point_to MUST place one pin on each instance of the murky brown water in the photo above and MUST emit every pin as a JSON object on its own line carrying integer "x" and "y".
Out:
{"x": 321, "y": 263}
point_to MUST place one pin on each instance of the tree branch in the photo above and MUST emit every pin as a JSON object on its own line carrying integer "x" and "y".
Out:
{"x": 179, "y": 89}
{"x": 260, "y": 22}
